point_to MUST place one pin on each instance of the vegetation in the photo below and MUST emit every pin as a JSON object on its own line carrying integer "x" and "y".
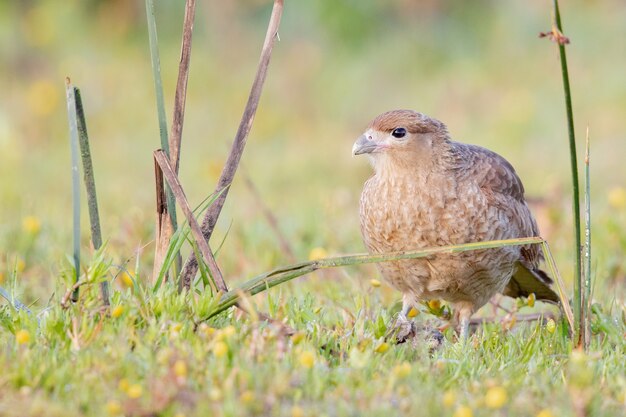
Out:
{"x": 156, "y": 351}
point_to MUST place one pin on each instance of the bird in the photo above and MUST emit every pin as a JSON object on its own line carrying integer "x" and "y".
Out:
{"x": 428, "y": 190}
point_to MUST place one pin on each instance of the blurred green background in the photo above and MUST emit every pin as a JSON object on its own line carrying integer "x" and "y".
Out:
{"x": 478, "y": 66}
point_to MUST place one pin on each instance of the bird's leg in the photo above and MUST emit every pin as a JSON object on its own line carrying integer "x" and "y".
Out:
{"x": 464, "y": 312}
{"x": 404, "y": 328}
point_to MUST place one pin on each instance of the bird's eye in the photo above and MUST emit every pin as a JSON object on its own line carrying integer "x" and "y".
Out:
{"x": 398, "y": 132}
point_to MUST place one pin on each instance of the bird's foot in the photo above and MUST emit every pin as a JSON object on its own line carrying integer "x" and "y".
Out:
{"x": 403, "y": 330}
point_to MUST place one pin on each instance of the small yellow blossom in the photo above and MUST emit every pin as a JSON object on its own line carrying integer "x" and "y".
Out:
{"x": 126, "y": 278}
{"x": 22, "y": 337}
{"x": 297, "y": 338}
{"x": 617, "y": 198}
{"x": 317, "y": 253}
{"x": 297, "y": 411}
{"x": 114, "y": 408}
{"x": 134, "y": 391}
{"x": 375, "y": 283}
{"x": 531, "y": 300}
{"x": 247, "y": 397}
{"x": 31, "y": 225}
{"x": 20, "y": 265}
{"x": 1, "y": 277}
{"x": 449, "y": 398}
{"x": 413, "y": 312}
{"x": 551, "y": 326}
{"x": 123, "y": 385}
{"x": 180, "y": 368}
{"x": 545, "y": 413}
{"x": 220, "y": 349}
{"x": 434, "y": 304}
{"x": 463, "y": 411}
{"x": 382, "y": 348}
{"x": 117, "y": 311}
{"x": 496, "y": 397}
{"x": 176, "y": 327}
{"x": 307, "y": 359}
{"x": 403, "y": 370}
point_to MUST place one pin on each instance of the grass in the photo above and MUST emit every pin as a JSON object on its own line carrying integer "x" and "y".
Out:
{"x": 154, "y": 353}
{"x": 149, "y": 358}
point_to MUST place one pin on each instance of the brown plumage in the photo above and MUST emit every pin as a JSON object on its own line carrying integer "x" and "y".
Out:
{"x": 428, "y": 190}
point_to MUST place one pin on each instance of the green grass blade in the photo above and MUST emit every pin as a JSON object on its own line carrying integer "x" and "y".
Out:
{"x": 158, "y": 88}
{"x": 586, "y": 305}
{"x": 280, "y": 275}
{"x": 73, "y": 125}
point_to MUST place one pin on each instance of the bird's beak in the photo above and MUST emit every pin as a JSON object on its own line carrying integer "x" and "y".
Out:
{"x": 364, "y": 145}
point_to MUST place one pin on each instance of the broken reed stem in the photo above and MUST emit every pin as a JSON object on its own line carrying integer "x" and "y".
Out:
{"x": 179, "y": 193}
{"x": 165, "y": 234}
{"x": 578, "y": 306}
{"x": 586, "y": 296}
{"x": 90, "y": 185}
{"x": 73, "y": 125}
{"x": 181, "y": 85}
{"x": 228, "y": 172}
{"x": 278, "y": 276}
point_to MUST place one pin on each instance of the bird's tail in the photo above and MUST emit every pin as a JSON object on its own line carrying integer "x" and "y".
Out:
{"x": 527, "y": 280}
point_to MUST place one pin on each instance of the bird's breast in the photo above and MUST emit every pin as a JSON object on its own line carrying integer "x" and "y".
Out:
{"x": 405, "y": 213}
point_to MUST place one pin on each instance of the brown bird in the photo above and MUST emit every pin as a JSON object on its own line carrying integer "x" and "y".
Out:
{"x": 428, "y": 190}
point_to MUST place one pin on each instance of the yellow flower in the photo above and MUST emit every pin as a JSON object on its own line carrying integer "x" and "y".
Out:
{"x": 434, "y": 304}
{"x": 531, "y": 300}
{"x": 134, "y": 391}
{"x": 247, "y": 397}
{"x": 297, "y": 411}
{"x": 31, "y": 225}
{"x": 463, "y": 411}
{"x": 22, "y": 337}
{"x": 617, "y": 198}
{"x": 123, "y": 385}
{"x": 307, "y": 359}
{"x": 413, "y": 312}
{"x": 551, "y": 326}
{"x": 126, "y": 278}
{"x": 496, "y": 397}
{"x": 449, "y": 398}
{"x": 403, "y": 370}
{"x": 375, "y": 283}
{"x": 114, "y": 408}
{"x": 545, "y": 413}
{"x": 297, "y": 338}
{"x": 180, "y": 368}
{"x": 20, "y": 265}
{"x": 382, "y": 348}
{"x": 220, "y": 349}
{"x": 1, "y": 277}
{"x": 317, "y": 253}
{"x": 117, "y": 311}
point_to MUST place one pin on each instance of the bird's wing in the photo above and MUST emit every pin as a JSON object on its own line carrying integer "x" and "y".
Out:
{"x": 500, "y": 184}
{"x": 502, "y": 188}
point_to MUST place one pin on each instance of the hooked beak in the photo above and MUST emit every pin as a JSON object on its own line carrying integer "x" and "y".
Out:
{"x": 364, "y": 145}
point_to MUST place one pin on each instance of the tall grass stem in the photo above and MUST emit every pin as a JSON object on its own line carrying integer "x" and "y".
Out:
{"x": 575, "y": 186}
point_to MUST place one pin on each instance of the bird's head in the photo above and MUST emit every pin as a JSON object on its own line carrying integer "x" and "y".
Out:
{"x": 401, "y": 138}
